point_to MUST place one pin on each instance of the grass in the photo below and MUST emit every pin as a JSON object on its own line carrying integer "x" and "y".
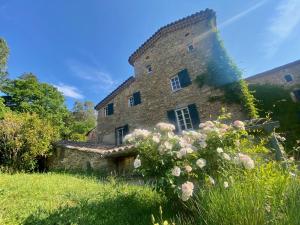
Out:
{"x": 55, "y": 198}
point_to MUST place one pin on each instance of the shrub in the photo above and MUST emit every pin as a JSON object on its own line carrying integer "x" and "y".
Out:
{"x": 180, "y": 164}
{"x": 24, "y": 137}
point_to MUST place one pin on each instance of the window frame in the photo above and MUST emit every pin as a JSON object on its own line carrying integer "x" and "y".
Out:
{"x": 149, "y": 67}
{"x": 105, "y": 111}
{"x": 171, "y": 82}
{"x": 184, "y": 119}
{"x": 131, "y": 101}
{"x": 188, "y": 47}
{"x": 120, "y": 141}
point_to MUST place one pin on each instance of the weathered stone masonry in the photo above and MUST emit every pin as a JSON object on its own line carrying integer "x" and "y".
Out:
{"x": 167, "y": 52}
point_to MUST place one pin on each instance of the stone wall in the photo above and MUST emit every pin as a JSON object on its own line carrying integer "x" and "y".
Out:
{"x": 167, "y": 56}
{"x": 78, "y": 160}
{"x": 276, "y": 76}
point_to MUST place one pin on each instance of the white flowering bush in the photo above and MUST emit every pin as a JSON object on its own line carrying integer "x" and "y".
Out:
{"x": 178, "y": 165}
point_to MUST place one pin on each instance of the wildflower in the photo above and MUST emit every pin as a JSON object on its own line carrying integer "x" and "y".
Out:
{"x": 226, "y": 185}
{"x": 219, "y": 150}
{"x": 188, "y": 168}
{"x": 141, "y": 133}
{"x": 239, "y": 124}
{"x": 166, "y": 127}
{"x": 211, "y": 180}
{"x": 201, "y": 163}
{"x": 156, "y": 138}
{"x": 176, "y": 171}
{"x": 245, "y": 160}
{"x": 168, "y": 145}
{"x": 202, "y": 143}
{"x": 187, "y": 189}
{"x": 226, "y": 156}
{"x": 137, "y": 163}
{"x": 292, "y": 174}
{"x": 129, "y": 138}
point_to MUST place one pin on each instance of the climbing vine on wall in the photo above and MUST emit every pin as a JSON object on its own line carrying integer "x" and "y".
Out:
{"x": 222, "y": 73}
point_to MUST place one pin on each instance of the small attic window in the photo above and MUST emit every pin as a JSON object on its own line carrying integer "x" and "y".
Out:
{"x": 190, "y": 47}
{"x": 187, "y": 34}
{"x": 288, "y": 78}
{"x": 149, "y": 69}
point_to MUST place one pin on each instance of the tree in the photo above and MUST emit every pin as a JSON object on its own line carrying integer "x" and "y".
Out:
{"x": 23, "y": 138}
{"x": 82, "y": 119}
{"x": 27, "y": 94}
{"x": 4, "y": 52}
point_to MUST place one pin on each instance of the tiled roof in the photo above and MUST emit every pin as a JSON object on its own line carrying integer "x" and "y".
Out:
{"x": 265, "y": 73}
{"x": 104, "y": 150}
{"x": 125, "y": 84}
{"x": 179, "y": 24}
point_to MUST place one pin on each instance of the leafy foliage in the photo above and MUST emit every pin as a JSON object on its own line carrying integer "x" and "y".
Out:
{"x": 4, "y": 52}
{"x": 276, "y": 102}
{"x": 27, "y": 94}
{"x": 194, "y": 159}
{"x": 81, "y": 120}
{"x": 221, "y": 72}
{"x": 24, "y": 137}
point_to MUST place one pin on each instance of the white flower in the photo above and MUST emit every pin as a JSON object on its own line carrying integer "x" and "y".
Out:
{"x": 187, "y": 189}
{"x": 176, "y": 171}
{"x": 128, "y": 138}
{"x": 239, "y": 124}
{"x": 183, "y": 151}
{"x": 188, "y": 168}
{"x": 211, "y": 180}
{"x": 166, "y": 127}
{"x": 168, "y": 145}
{"x": 156, "y": 139}
{"x": 137, "y": 163}
{"x": 245, "y": 160}
{"x": 141, "y": 133}
{"x": 226, "y": 156}
{"x": 171, "y": 135}
{"x": 219, "y": 150}
{"x": 226, "y": 184}
{"x": 201, "y": 163}
{"x": 292, "y": 174}
{"x": 183, "y": 142}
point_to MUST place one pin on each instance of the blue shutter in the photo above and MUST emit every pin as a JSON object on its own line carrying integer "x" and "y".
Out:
{"x": 184, "y": 78}
{"x": 172, "y": 118}
{"x": 194, "y": 115}
{"x": 110, "y": 108}
{"x": 136, "y": 98}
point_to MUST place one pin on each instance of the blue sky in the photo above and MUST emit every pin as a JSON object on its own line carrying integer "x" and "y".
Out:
{"x": 82, "y": 46}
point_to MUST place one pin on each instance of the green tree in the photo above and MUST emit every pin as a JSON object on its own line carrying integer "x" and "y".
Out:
{"x": 27, "y": 94}
{"x": 4, "y": 52}
{"x": 82, "y": 119}
{"x": 24, "y": 137}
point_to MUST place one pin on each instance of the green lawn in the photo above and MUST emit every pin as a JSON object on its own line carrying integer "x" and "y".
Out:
{"x": 55, "y": 198}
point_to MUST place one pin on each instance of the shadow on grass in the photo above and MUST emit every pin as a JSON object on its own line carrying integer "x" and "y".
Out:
{"x": 122, "y": 210}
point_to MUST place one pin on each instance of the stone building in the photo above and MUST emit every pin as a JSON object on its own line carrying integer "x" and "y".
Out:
{"x": 163, "y": 88}
{"x": 287, "y": 76}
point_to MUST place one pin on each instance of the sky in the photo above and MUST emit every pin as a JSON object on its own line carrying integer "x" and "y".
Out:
{"x": 82, "y": 46}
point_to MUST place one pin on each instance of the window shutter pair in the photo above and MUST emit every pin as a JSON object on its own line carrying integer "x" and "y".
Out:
{"x": 136, "y": 98}
{"x": 193, "y": 114}
{"x": 184, "y": 78}
{"x": 110, "y": 108}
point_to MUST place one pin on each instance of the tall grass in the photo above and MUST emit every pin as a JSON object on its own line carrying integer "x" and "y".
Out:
{"x": 267, "y": 195}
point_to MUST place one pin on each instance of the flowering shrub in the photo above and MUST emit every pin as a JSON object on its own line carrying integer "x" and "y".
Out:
{"x": 180, "y": 164}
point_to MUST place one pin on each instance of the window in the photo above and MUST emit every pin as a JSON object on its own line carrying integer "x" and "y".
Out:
{"x": 131, "y": 101}
{"x": 121, "y": 132}
{"x": 108, "y": 110}
{"x": 120, "y": 135}
{"x": 288, "y": 78}
{"x": 190, "y": 47}
{"x": 175, "y": 83}
{"x": 149, "y": 69}
{"x": 183, "y": 119}
{"x": 135, "y": 99}
{"x": 105, "y": 111}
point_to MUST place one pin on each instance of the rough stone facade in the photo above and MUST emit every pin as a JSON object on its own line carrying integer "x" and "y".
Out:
{"x": 287, "y": 76}
{"x": 168, "y": 53}
{"x": 76, "y": 156}
{"x": 277, "y": 75}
